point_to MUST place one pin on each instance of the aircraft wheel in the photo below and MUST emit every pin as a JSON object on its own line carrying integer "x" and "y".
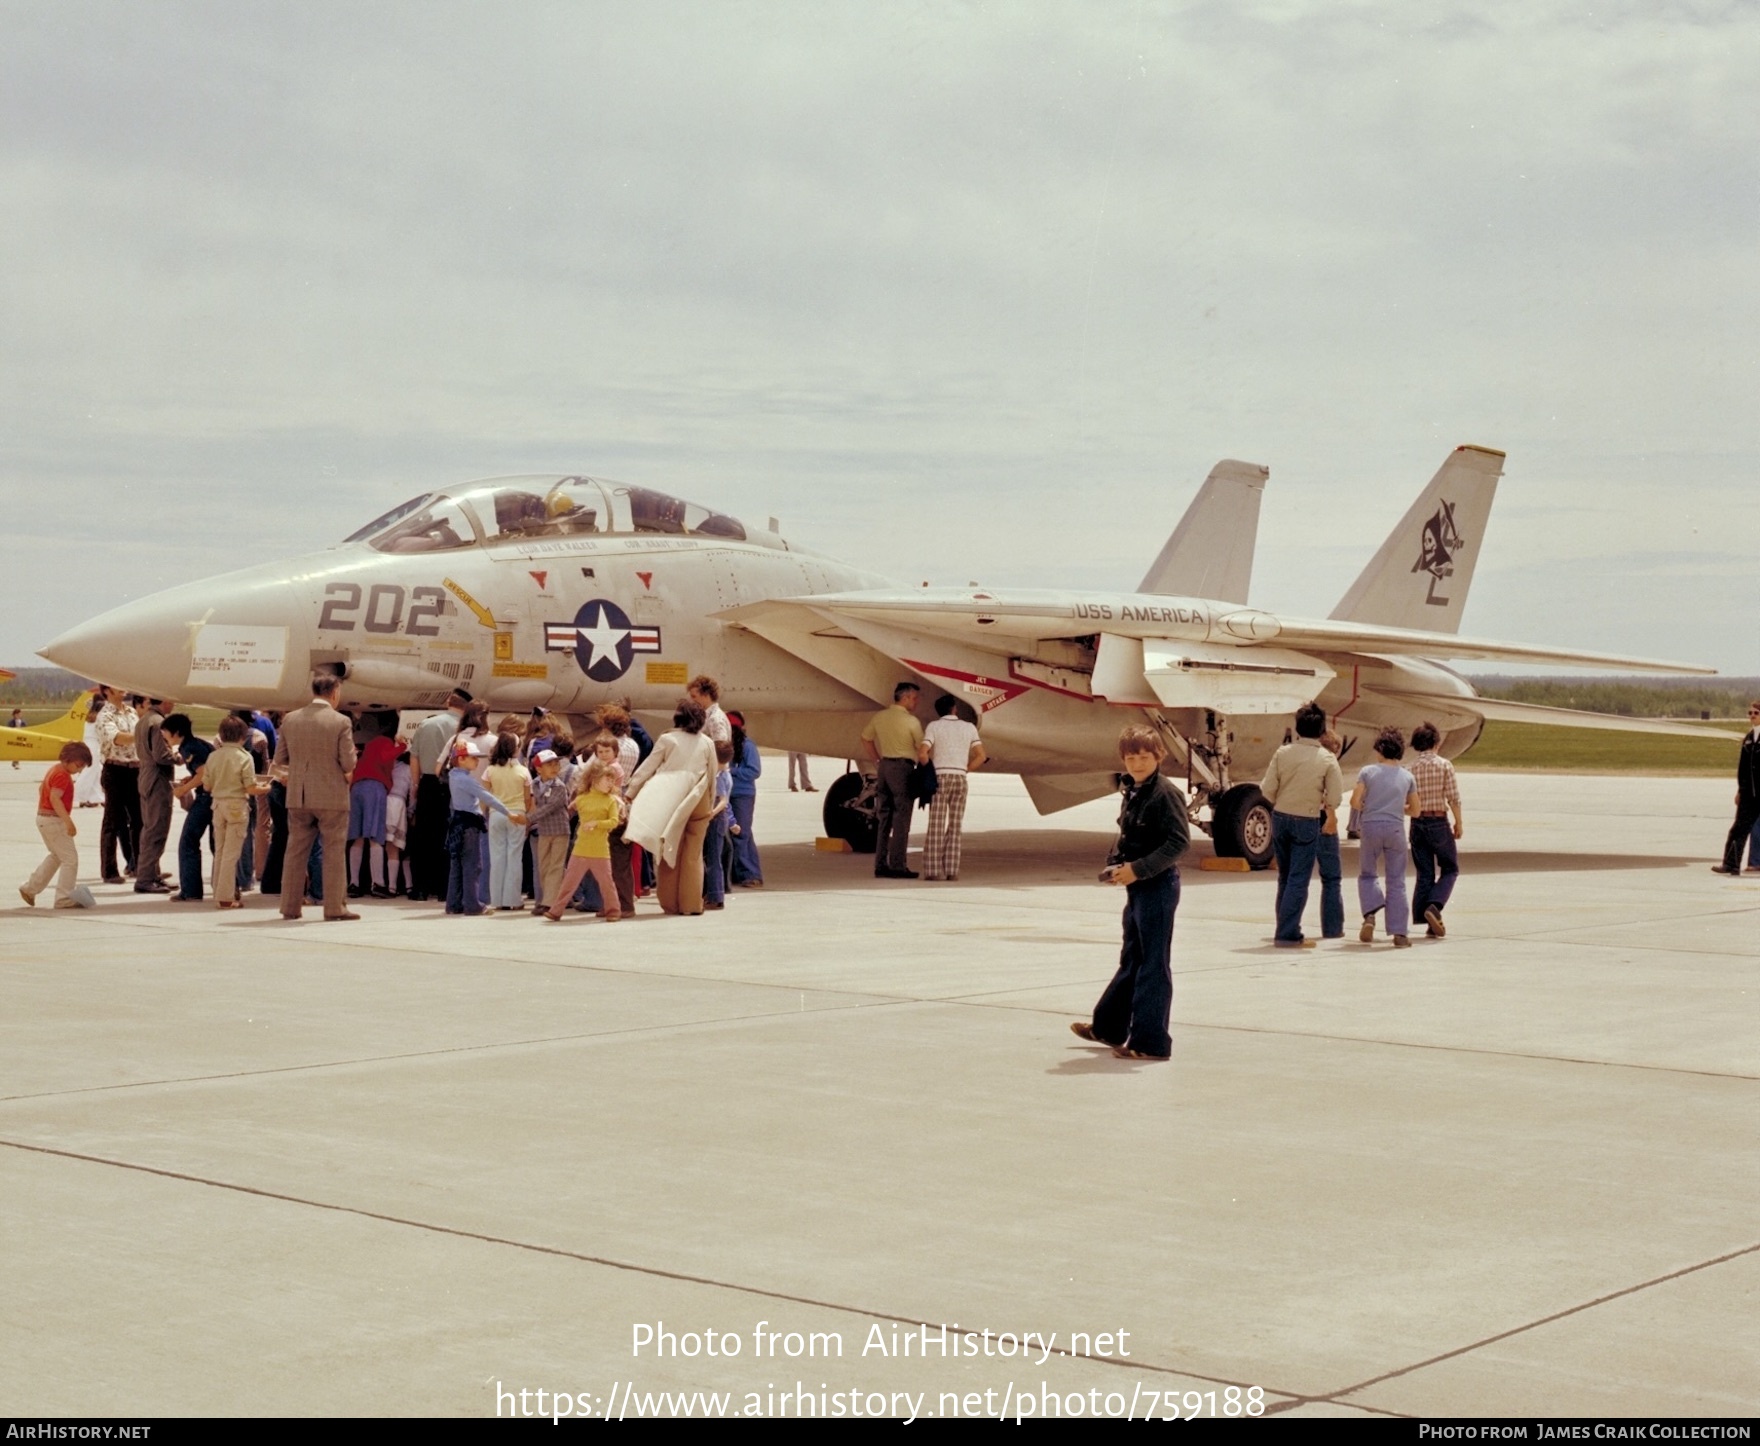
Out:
{"x": 1242, "y": 826}
{"x": 849, "y": 812}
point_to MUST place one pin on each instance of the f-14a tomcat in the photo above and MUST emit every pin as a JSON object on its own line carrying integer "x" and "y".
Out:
{"x": 568, "y": 592}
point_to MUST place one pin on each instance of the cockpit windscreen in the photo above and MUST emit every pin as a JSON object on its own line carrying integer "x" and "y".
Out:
{"x": 518, "y": 509}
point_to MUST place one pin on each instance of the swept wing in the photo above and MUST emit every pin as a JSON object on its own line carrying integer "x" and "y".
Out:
{"x": 1000, "y": 621}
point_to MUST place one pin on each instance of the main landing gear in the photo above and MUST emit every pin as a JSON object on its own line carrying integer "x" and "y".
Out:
{"x": 1240, "y": 818}
{"x": 849, "y": 811}
{"x": 1240, "y": 825}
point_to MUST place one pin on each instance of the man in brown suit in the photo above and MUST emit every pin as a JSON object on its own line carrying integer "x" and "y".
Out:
{"x": 316, "y": 748}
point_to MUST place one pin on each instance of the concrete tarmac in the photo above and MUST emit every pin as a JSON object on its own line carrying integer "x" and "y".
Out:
{"x": 417, "y": 1165}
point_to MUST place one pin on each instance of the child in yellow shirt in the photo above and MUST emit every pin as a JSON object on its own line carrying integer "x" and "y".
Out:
{"x": 599, "y": 809}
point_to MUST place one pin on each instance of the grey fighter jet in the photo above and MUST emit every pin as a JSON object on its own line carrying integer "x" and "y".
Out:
{"x": 568, "y": 592}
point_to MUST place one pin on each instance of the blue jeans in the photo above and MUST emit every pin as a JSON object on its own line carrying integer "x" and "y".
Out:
{"x": 1436, "y": 862}
{"x": 1331, "y": 886}
{"x": 1384, "y": 851}
{"x": 746, "y": 866}
{"x": 189, "y": 845}
{"x": 714, "y": 864}
{"x": 465, "y": 834}
{"x": 1135, "y": 1006}
{"x": 1294, "y": 842}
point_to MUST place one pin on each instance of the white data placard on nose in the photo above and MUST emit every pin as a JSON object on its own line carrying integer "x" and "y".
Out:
{"x": 227, "y": 654}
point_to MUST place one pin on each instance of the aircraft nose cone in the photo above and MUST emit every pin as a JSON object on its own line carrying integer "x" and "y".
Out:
{"x": 204, "y": 642}
{"x": 144, "y": 646}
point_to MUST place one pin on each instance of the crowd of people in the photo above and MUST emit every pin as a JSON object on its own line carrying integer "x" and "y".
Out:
{"x": 318, "y": 808}
{"x": 314, "y": 807}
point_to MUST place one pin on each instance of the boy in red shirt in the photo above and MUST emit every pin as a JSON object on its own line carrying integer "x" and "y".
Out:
{"x": 55, "y": 824}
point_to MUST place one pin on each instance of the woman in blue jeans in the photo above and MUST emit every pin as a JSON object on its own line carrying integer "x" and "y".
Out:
{"x": 748, "y": 870}
{"x": 1387, "y": 795}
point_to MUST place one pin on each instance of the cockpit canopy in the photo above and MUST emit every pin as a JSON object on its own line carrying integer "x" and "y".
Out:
{"x": 513, "y": 510}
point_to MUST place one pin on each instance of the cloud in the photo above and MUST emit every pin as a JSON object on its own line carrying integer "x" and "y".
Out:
{"x": 1029, "y": 269}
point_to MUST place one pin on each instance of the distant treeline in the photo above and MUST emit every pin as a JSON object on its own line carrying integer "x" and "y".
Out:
{"x": 41, "y": 687}
{"x": 1630, "y": 697}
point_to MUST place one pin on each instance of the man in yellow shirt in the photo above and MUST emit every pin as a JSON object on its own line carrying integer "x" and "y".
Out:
{"x": 894, "y": 739}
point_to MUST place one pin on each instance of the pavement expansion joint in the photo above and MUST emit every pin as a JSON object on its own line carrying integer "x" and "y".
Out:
{"x": 609, "y": 1262}
{"x": 466, "y": 957}
{"x": 1693, "y": 917}
{"x": 488, "y": 1047}
{"x": 1464, "y": 1049}
{"x": 1535, "y": 1324}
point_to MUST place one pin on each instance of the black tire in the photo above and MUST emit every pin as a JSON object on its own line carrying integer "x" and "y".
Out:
{"x": 1241, "y": 826}
{"x": 849, "y": 816}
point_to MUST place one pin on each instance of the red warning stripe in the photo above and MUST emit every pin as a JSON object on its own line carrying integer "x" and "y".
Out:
{"x": 1003, "y": 690}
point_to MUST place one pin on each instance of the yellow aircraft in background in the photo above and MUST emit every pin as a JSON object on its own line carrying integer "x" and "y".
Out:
{"x": 44, "y": 745}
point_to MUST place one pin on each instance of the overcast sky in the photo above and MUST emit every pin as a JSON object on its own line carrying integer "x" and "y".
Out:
{"x": 961, "y": 291}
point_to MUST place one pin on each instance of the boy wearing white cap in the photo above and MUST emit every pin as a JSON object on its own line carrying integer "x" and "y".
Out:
{"x": 548, "y": 819}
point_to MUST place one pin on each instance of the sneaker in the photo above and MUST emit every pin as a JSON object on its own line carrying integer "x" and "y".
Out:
{"x": 1433, "y": 917}
{"x": 1367, "y": 932}
{"x": 1296, "y": 943}
{"x": 65, "y": 904}
{"x": 1400, "y": 941}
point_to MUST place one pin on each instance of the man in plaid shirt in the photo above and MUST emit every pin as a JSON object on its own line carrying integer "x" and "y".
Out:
{"x": 1434, "y": 856}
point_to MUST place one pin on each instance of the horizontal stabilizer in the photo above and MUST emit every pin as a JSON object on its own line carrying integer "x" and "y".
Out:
{"x": 1420, "y": 577}
{"x": 1501, "y": 710}
{"x": 1210, "y": 553}
{"x": 1054, "y": 792}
